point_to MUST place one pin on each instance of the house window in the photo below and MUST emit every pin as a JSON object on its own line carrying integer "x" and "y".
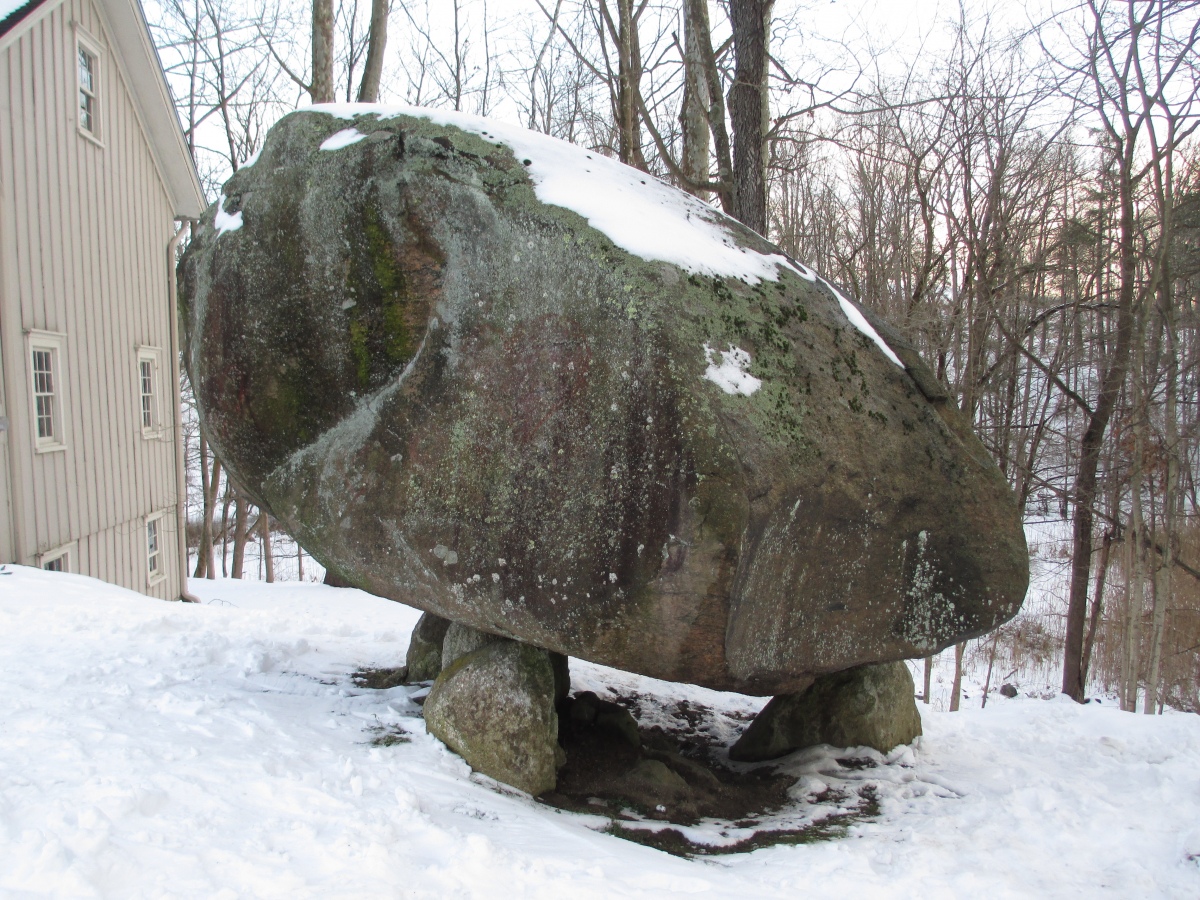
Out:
{"x": 45, "y": 355}
{"x": 58, "y": 559}
{"x": 154, "y": 557}
{"x": 148, "y": 391}
{"x": 87, "y": 90}
{"x": 87, "y": 79}
{"x": 147, "y": 382}
{"x": 44, "y": 400}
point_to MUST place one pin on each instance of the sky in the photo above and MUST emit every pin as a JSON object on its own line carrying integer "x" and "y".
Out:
{"x": 828, "y": 41}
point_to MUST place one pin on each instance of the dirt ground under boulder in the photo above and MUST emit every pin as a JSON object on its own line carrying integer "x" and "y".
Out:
{"x": 646, "y": 779}
{"x": 675, "y": 775}
{"x": 679, "y": 773}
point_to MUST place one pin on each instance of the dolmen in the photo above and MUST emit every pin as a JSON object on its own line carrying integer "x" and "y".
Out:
{"x": 576, "y": 412}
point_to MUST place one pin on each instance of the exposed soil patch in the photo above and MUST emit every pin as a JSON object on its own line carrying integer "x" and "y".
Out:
{"x": 388, "y": 735}
{"x": 380, "y": 679}
{"x": 676, "y": 775}
{"x": 678, "y": 772}
{"x": 832, "y": 827}
{"x": 666, "y": 779}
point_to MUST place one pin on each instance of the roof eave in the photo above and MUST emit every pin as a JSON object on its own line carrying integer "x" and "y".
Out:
{"x": 156, "y": 107}
{"x": 10, "y": 25}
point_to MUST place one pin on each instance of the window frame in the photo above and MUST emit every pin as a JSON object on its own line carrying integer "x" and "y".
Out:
{"x": 64, "y": 552}
{"x": 155, "y": 576}
{"x": 53, "y": 342}
{"x": 153, "y": 356}
{"x": 86, "y": 44}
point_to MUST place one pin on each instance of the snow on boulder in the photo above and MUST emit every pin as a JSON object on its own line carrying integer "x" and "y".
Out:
{"x": 523, "y": 387}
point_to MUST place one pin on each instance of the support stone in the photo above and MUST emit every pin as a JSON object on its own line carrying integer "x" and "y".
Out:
{"x": 494, "y": 706}
{"x": 463, "y": 639}
{"x": 866, "y": 706}
{"x": 424, "y": 660}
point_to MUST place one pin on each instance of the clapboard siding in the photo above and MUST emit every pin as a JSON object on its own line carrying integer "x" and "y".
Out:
{"x": 83, "y": 252}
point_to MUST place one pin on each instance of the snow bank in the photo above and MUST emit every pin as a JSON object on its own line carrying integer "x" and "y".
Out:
{"x": 160, "y": 749}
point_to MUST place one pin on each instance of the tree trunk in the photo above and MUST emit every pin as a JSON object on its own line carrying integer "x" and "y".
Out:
{"x": 1097, "y": 605}
{"x": 1127, "y": 616}
{"x": 749, "y": 109}
{"x": 987, "y": 681}
{"x": 1137, "y": 592}
{"x": 268, "y": 554}
{"x": 204, "y": 543}
{"x": 928, "y": 676}
{"x": 210, "y": 481}
{"x": 1138, "y": 100}
{"x": 458, "y": 57}
{"x": 629, "y": 77}
{"x": 368, "y": 88}
{"x": 956, "y": 692}
{"x": 1141, "y": 438}
{"x": 1161, "y": 587}
{"x": 241, "y": 532}
{"x": 321, "y": 89}
{"x": 693, "y": 113}
{"x": 1162, "y": 583}
{"x": 1091, "y": 445}
{"x": 214, "y": 483}
{"x": 698, "y": 19}
{"x": 225, "y": 528}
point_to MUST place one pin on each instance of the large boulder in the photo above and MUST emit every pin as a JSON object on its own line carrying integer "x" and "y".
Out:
{"x": 494, "y": 706}
{"x": 525, "y": 388}
{"x": 867, "y": 706}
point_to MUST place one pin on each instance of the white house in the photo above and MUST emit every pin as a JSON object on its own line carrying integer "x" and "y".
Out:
{"x": 94, "y": 177}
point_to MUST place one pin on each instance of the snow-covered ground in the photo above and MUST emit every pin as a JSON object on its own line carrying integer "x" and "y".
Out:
{"x": 222, "y": 750}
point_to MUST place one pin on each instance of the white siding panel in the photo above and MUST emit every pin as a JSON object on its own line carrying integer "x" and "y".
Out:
{"x": 87, "y": 249}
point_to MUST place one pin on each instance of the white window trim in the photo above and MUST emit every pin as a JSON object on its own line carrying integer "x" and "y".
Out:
{"x": 84, "y": 41}
{"x": 56, "y": 343}
{"x": 153, "y": 578}
{"x": 152, "y": 355}
{"x": 65, "y": 552}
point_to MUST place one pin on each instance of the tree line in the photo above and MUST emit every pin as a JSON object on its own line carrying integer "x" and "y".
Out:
{"x": 1023, "y": 204}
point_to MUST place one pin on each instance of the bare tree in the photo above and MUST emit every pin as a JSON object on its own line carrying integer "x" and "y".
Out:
{"x": 694, "y": 110}
{"x": 268, "y": 552}
{"x": 321, "y": 88}
{"x": 749, "y": 109}
{"x": 368, "y": 89}
{"x": 1134, "y": 57}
